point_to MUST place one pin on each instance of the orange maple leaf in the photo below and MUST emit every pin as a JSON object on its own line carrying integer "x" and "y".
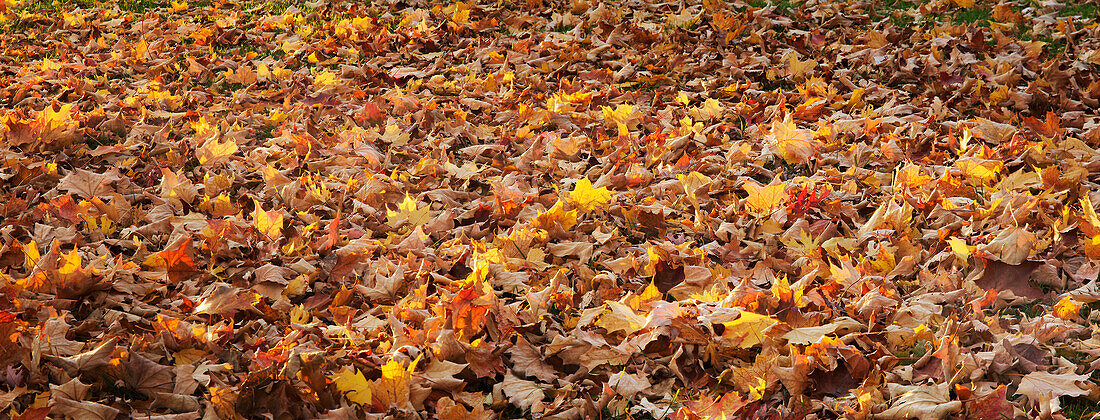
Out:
{"x": 177, "y": 262}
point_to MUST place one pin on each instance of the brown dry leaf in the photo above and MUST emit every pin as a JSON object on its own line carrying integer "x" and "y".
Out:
{"x": 524, "y": 394}
{"x": 88, "y": 184}
{"x": 527, "y": 360}
{"x": 1040, "y": 387}
{"x": 619, "y": 317}
{"x": 1012, "y": 245}
{"x": 990, "y": 406}
{"x": 89, "y": 360}
{"x": 628, "y": 385}
{"x": 82, "y": 409}
{"x": 920, "y": 402}
{"x": 225, "y": 300}
{"x": 1016, "y": 278}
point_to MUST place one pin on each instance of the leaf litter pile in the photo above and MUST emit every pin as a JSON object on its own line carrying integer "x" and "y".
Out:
{"x": 549, "y": 209}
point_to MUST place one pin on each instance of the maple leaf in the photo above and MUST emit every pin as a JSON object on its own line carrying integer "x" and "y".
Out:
{"x": 1012, "y": 245}
{"x": 89, "y": 184}
{"x": 556, "y": 217}
{"x": 587, "y": 198}
{"x": 225, "y": 300}
{"x": 1040, "y": 387}
{"x": 446, "y": 409}
{"x": 408, "y": 211}
{"x": 791, "y": 143}
{"x": 523, "y": 394}
{"x": 469, "y": 308}
{"x": 177, "y": 262}
{"x": 268, "y": 223}
{"x": 920, "y": 402}
{"x": 692, "y": 182}
{"x": 628, "y": 385}
{"x": 354, "y": 385}
{"x": 991, "y": 406}
{"x": 998, "y": 275}
{"x": 710, "y": 110}
{"x": 392, "y": 389}
{"x": 89, "y": 360}
{"x": 1067, "y": 308}
{"x": 216, "y": 151}
{"x": 748, "y": 329}
{"x": 762, "y": 200}
{"x": 800, "y": 68}
{"x": 706, "y": 407}
{"x": 528, "y": 360}
{"x": 619, "y": 317}
{"x": 619, "y": 117}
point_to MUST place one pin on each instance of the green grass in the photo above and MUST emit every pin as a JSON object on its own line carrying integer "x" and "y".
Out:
{"x": 276, "y": 7}
{"x": 781, "y": 7}
{"x": 973, "y": 14}
{"x": 1079, "y": 408}
{"x": 1082, "y": 9}
{"x": 141, "y": 6}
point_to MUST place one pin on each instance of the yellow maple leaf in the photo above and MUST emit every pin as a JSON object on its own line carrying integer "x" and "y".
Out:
{"x": 711, "y": 109}
{"x": 408, "y": 211}
{"x": 748, "y": 329}
{"x": 649, "y": 294}
{"x": 619, "y": 317}
{"x": 791, "y": 143}
{"x": 587, "y": 198}
{"x": 269, "y": 223}
{"x": 354, "y": 385}
{"x": 801, "y": 68}
{"x": 70, "y": 263}
{"x": 692, "y": 182}
{"x": 178, "y": 6}
{"x": 762, "y": 200}
{"x": 981, "y": 170}
{"x": 202, "y": 128}
{"x": 392, "y": 389}
{"x": 683, "y": 99}
{"x": 31, "y": 255}
{"x": 618, "y": 117}
{"x": 215, "y": 151}
{"x": 961, "y": 250}
{"x": 299, "y": 315}
{"x": 395, "y": 136}
{"x": 556, "y": 216}
{"x": 325, "y": 79}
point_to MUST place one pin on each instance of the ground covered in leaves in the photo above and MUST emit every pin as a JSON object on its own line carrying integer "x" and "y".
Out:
{"x": 549, "y": 209}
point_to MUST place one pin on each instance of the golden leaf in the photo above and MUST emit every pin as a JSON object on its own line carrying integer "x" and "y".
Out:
{"x": 762, "y": 200}
{"x": 587, "y": 198}
{"x": 961, "y": 250}
{"x": 215, "y": 151}
{"x": 1067, "y": 308}
{"x": 791, "y": 143}
{"x": 747, "y": 330}
{"x": 801, "y": 68}
{"x": 269, "y": 223}
{"x": 408, "y": 211}
{"x": 556, "y": 216}
{"x": 354, "y": 385}
{"x": 619, "y": 317}
{"x": 392, "y": 389}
